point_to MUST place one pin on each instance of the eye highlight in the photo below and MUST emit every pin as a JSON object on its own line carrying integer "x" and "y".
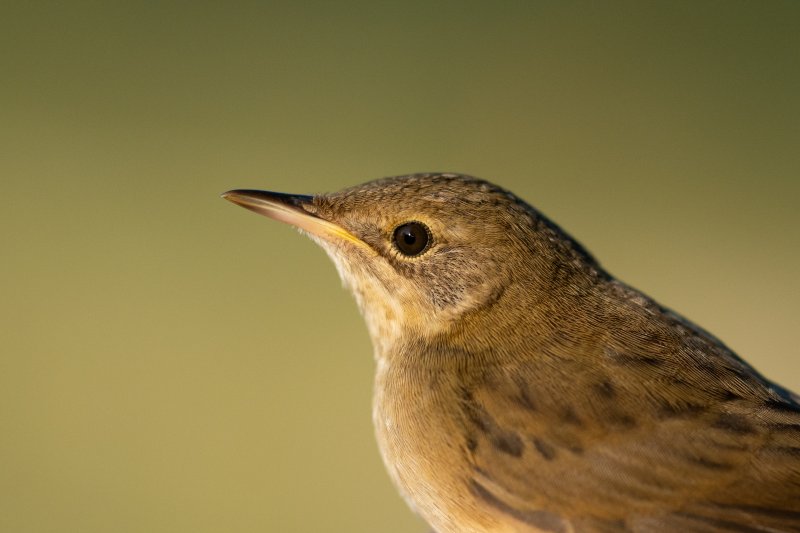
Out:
{"x": 412, "y": 238}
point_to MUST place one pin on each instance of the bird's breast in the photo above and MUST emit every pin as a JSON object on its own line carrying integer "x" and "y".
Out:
{"x": 420, "y": 432}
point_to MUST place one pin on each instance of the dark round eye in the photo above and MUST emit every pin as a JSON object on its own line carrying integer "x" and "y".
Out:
{"x": 412, "y": 238}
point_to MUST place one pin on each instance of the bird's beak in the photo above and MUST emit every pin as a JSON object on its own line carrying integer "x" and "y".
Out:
{"x": 294, "y": 209}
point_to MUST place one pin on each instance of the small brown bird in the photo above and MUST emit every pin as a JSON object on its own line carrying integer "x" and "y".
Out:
{"x": 520, "y": 387}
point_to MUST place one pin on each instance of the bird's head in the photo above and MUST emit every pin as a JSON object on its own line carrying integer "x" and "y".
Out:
{"x": 420, "y": 252}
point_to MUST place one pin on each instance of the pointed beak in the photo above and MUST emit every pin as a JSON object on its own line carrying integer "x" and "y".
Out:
{"x": 295, "y": 209}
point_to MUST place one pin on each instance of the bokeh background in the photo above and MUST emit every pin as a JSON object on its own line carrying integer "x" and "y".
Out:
{"x": 170, "y": 362}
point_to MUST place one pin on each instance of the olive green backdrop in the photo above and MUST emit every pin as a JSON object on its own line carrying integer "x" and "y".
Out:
{"x": 172, "y": 363}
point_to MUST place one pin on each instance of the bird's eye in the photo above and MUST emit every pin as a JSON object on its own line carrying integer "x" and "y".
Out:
{"x": 412, "y": 238}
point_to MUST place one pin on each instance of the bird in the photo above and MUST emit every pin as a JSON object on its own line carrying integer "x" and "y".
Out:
{"x": 520, "y": 387}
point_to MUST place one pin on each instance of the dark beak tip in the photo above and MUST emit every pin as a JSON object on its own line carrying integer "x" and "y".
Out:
{"x": 234, "y": 196}
{"x": 242, "y": 196}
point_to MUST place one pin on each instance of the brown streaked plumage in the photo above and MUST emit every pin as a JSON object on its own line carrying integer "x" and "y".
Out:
{"x": 520, "y": 387}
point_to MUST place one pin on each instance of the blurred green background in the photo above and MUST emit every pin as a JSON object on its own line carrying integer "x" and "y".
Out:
{"x": 170, "y": 362}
